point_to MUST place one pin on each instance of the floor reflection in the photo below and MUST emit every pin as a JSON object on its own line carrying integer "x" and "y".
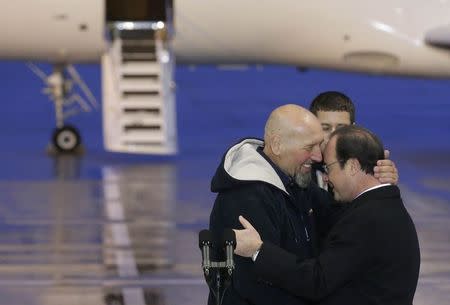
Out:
{"x": 128, "y": 233}
{"x": 66, "y": 166}
{"x": 112, "y": 240}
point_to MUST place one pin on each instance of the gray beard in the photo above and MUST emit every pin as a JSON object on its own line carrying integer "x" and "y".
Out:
{"x": 303, "y": 180}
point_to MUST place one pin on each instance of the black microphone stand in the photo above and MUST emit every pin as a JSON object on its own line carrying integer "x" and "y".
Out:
{"x": 222, "y": 281}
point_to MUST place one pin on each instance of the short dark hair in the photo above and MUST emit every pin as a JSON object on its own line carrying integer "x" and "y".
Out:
{"x": 358, "y": 143}
{"x": 333, "y": 101}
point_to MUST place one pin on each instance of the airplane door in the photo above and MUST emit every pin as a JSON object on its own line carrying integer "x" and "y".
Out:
{"x": 138, "y": 10}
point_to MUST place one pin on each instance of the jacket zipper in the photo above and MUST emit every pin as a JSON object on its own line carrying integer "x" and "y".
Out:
{"x": 304, "y": 226}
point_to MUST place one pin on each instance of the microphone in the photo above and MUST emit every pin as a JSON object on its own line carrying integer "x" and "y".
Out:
{"x": 205, "y": 242}
{"x": 229, "y": 240}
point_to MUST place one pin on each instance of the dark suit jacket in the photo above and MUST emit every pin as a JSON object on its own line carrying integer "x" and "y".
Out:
{"x": 371, "y": 256}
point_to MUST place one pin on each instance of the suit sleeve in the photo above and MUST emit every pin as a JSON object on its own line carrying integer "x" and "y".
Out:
{"x": 345, "y": 255}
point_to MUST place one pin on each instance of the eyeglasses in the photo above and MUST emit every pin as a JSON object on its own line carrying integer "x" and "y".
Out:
{"x": 326, "y": 167}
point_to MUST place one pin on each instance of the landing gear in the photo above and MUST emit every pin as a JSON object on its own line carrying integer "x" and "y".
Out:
{"x": 66, "y": 139}
{"x": 60, "y": 89}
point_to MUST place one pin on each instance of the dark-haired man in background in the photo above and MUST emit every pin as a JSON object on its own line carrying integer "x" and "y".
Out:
{"x": 334, "y": 110}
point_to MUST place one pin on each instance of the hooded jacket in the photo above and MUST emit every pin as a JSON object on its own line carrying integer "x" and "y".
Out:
{"x": 249, "y": 184}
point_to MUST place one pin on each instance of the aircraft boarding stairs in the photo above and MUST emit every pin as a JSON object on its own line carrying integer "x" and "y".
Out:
{"x": 139, "y": 114}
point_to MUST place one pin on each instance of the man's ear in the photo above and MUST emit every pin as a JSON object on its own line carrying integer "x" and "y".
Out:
{"x": 354, "y": 166}
{"x": 276, "y": 145}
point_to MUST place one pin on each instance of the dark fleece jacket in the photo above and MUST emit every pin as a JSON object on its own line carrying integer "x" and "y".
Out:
{"x": 283, "y": 213}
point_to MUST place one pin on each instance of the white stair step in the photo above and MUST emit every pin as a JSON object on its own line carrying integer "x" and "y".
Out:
{"x": 141, "y": 102}
{"x": 129, "y": 119}
{"x": 143, "y": 136}
{"x": 144, "y": 148}
{"x": 141, "y": 81}
{"x": 140, "y": 68}
{"x": 139, "y": 86}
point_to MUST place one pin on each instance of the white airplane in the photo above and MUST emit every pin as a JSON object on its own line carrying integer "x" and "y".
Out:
{"x": 137, "y": 41}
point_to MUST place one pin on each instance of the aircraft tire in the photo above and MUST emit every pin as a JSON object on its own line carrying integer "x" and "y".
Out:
{"x": 66, "y": 139}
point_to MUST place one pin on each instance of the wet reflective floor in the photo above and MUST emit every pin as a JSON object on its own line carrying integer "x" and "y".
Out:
{"x": 116, "y": 240}
{"x": 130, "y": 238}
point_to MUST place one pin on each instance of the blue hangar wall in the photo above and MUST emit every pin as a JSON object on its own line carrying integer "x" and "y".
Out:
{"x": 217, "y": 107}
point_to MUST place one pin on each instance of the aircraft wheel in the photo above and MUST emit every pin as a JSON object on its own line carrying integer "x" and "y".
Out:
{"x": 66, "y": 138}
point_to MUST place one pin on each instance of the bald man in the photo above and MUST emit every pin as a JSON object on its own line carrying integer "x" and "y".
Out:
{"x": 269, "y": 184}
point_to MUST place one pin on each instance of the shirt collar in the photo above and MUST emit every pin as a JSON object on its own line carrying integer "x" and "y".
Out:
{"x": 372, "y": 188}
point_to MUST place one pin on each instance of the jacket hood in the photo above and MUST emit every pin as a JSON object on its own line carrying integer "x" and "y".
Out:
{"x": 241, "y": 164}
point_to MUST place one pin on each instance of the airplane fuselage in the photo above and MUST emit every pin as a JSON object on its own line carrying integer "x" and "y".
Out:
{"x": 386, "y": 37}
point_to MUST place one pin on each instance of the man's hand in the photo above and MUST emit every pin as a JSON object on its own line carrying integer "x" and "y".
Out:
{"x": 248, "y": 240}
{"x": 385, "y": 170}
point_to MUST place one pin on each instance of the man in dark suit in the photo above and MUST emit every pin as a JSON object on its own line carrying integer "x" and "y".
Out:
{"x": 371, "y": 255}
